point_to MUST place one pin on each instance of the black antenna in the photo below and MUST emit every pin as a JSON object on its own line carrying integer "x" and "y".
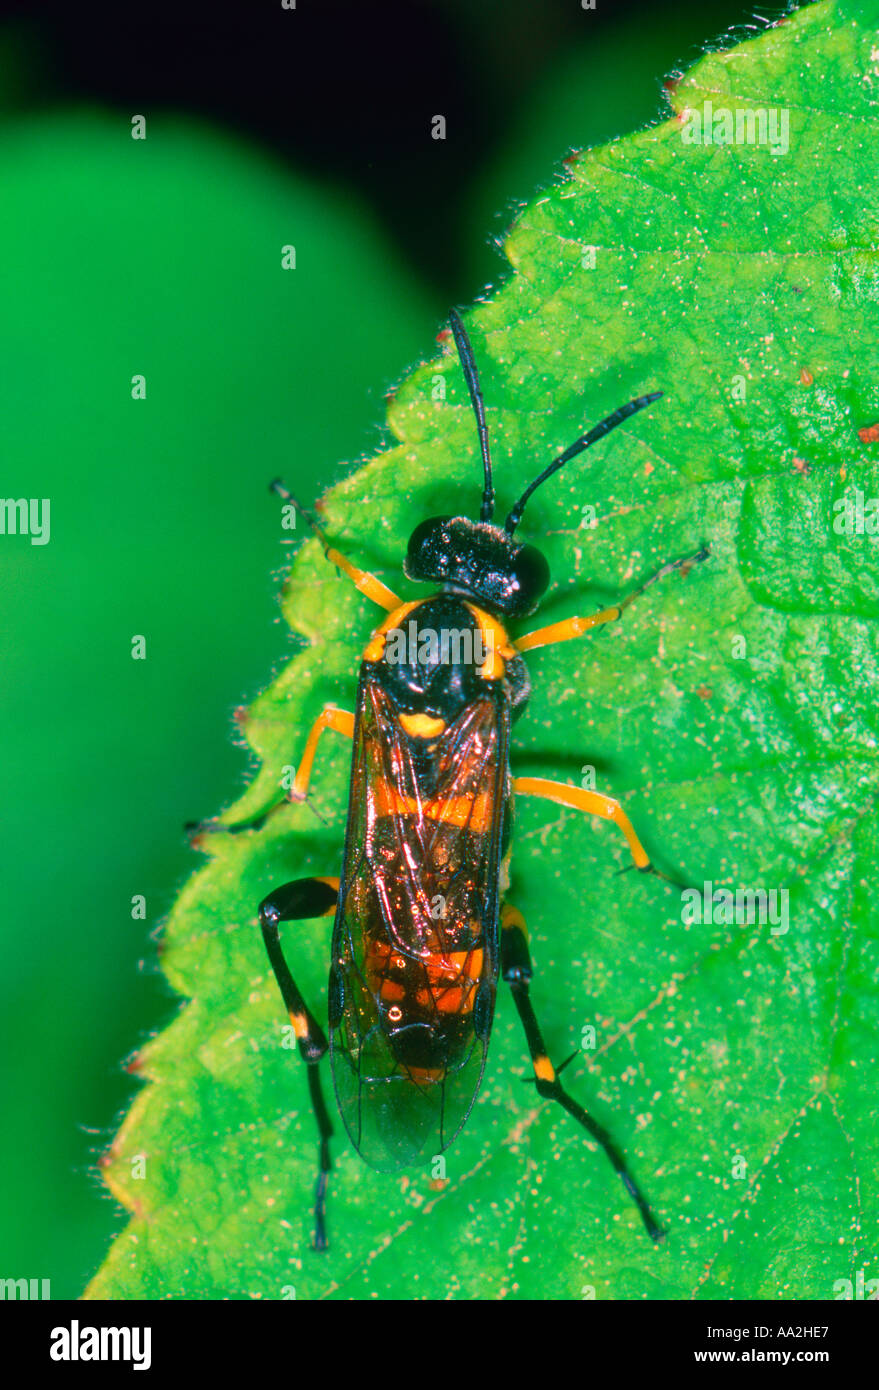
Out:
{"x": 465, "y": 352}
{"x": 279, "y": 487}
{"x": 597, "y": 432}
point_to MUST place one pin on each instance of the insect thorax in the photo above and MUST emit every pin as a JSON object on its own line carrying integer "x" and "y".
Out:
{"x": 437, "y": 656}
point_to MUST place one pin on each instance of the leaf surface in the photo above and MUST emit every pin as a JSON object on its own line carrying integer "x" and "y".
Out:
{"x": 733, "y": 712}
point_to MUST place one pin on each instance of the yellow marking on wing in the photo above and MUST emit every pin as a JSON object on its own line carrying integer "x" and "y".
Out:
{"x": 474, "y": 812}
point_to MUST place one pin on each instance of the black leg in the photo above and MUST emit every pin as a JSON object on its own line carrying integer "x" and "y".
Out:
{"x": 196, "y": 828}
{"x": 517, "y": 972}
{"x": 304, "y": 898}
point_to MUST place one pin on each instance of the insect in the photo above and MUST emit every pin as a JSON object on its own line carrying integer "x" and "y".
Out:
{"x": 422, "y": 931}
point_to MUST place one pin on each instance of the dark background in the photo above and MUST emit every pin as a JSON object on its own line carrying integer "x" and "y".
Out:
{"x": 345, "y": 91}
{"x": 105, "y": 761}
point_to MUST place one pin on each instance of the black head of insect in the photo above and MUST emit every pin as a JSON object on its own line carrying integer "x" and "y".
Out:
{"x": 476, "y": 558}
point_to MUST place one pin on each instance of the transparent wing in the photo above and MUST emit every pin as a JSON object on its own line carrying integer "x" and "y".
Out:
{"x": 415, "y": 942}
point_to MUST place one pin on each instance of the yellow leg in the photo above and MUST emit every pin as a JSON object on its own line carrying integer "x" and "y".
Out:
{"x": 364, "y": 581}
{"x": 594, "y": 804}
{"x": 565, "y": 630}
{"x": 331, "y": 718}
{"x": 575, "y": 627}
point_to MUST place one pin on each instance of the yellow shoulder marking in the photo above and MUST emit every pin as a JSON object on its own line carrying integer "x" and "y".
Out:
{"x": 495, "y": 641}
{"x": 376, "y": 648}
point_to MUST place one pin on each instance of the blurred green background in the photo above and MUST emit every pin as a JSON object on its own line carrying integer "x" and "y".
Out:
{"x": 162, "y": 258}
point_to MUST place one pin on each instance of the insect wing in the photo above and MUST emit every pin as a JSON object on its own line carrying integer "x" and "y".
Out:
{"x": 415, "y": 943}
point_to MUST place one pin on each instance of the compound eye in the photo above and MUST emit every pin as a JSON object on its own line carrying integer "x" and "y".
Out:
{"x": 424, "y": 534}
{"x": 532, "y": 573}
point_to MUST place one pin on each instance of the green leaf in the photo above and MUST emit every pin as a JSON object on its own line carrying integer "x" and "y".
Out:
{"x": 732, "y": 712}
